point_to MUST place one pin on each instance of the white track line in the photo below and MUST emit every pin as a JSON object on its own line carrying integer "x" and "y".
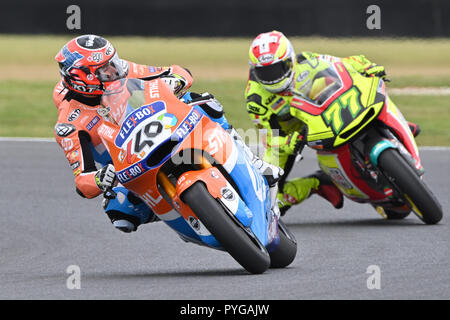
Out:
{"x": 420, "y": 91}
{"x": 26, "y": 139}
{"x": 29, "y": 139}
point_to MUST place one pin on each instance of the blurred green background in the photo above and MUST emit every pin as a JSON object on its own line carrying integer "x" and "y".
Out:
{"x": 28, "y": 74}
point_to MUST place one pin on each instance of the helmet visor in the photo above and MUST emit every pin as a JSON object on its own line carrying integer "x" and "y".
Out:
{"x": 274, "y": 73}
{"x": 112, "y": 70}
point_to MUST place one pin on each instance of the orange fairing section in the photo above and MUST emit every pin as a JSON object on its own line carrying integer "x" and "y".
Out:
{"x": 211, "y": 177}
{"x": 197, "y": 131}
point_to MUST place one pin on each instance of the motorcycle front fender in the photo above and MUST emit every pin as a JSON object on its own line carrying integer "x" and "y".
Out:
{"x": 220, "y": 189}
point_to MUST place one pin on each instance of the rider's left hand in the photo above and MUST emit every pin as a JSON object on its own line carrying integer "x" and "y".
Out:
{"x": 375, "y": 70}
{"x": 175, "y": 84}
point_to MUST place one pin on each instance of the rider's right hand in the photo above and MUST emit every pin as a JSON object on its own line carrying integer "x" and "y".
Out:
{"x": 106, "y": 177}
{"x": 292, "y": 141}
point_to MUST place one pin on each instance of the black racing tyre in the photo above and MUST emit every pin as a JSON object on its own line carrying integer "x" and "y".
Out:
{"x": 246, "y": 251}
{"x": 416, "y": 193}
{"x": 286, "y": 250}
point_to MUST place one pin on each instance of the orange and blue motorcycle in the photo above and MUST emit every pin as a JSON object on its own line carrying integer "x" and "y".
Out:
{"x": 192, "y": 174}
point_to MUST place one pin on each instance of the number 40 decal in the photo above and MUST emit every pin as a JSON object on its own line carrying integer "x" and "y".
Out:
{"x": 150, "y": 131}
{"x": 349, "y": 100}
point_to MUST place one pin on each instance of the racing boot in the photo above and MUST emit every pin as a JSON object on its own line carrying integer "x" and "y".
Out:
{"x": 126, "y": 211}
{"x": 297, "y": 190}
{"x": 327, "y": 189}
{"x": 415, "y": 129}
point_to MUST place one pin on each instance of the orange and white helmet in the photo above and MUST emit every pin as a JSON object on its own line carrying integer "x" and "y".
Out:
{"x": 272, "y": 59}
{"x": 87, "y": 62}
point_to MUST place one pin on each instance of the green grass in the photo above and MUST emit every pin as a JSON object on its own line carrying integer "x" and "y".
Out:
{"x": 231, "y": 94}
{"x": 432, "y": 113}
{"x": 220, "y": 67}
{"x": 26, "y": 109}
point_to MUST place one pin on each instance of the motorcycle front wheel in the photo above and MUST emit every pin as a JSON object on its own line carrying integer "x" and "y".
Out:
{"x": 247, "y": 251}
{"x": 416, "y": 193}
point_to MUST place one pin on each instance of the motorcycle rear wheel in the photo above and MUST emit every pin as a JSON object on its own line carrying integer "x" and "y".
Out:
{"x": 415, "y": 191}
{"x": 246, "y": 251}
{"x": 286, "y": 250}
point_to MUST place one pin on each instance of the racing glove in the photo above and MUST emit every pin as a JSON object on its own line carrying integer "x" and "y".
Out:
{"x": 375, "y": 70}
{"x": 105, "y": 177}
{"x": 176, "y": 84}
{"x": 366, "y": 67}
{"x": 285, "y": 145}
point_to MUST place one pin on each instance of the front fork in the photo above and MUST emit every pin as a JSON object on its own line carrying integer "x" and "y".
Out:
{"x": 366, "y": 152}
{"x": 379, "y": 139}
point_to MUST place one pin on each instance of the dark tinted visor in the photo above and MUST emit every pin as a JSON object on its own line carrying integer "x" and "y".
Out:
{"x": 274, "y": 73}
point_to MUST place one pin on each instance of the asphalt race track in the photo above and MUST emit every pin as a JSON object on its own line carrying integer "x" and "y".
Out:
{"x": 46, "y": 227}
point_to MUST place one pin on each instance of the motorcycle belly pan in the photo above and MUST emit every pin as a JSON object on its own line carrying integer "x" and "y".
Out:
{"x": 331, "y": 165}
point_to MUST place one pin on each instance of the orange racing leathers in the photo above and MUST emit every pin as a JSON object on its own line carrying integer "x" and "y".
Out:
{"x": 79, "y": 117}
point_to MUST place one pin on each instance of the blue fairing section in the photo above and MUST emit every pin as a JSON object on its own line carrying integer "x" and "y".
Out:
{"x": 243, "y": 213}
{"x": 245, "y": 176}
{"x": 210, "y": 241}
{"x": 274, "y": 244}
{"x": 182, "y": 227}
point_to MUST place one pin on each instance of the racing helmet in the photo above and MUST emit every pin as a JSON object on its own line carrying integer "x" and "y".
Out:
{"x": 272, "y": 58}
{"x": 87, "y": 62}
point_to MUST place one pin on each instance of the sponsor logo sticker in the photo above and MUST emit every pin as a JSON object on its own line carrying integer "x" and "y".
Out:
{"x": 131, "y": 172}
{"x": 227, "y": 194}
{"x": 74, "y": 115}
{"x": 265, "y": 58}
{"x": 75, "y": 165}
{"x": 64, "y": 129}
{"x": 67, "y": 144}
{"x": 73, "y": 155}
{"x": 93, "y": 122}
{"x": 194, "y": 223}
{"x": 188, "y": 124}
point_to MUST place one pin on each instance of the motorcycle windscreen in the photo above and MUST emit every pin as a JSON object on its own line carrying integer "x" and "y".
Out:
{"x": 324, "y": 85}
{"x": 122, "y": 97}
